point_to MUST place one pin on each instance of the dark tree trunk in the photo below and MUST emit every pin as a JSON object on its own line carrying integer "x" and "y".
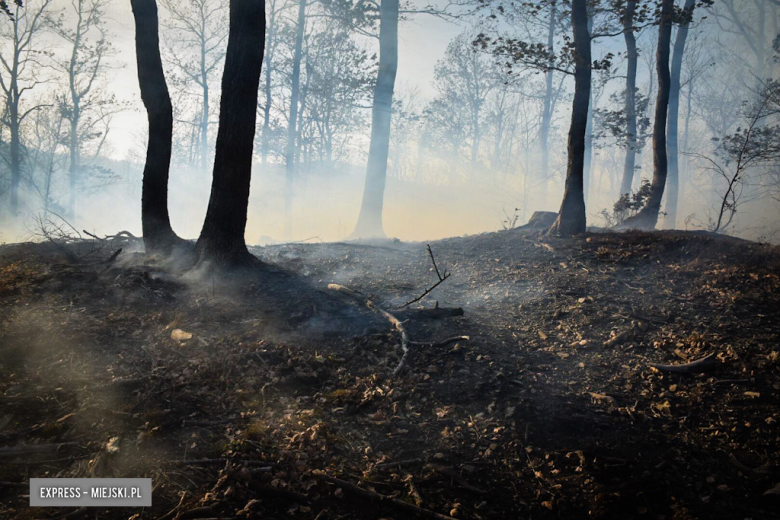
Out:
{"x": 292, "y": 134}
{"x": 648, "y": 216}
{"x": 571, "y": 217}
{"x": 672, "y": 124}
{"x": 222, "y": 237}
{"x": 370, "y": 219}
{"x": 547, "y": 108}
{"x": 155, "y": 222}
{"x": 632, "y": 57}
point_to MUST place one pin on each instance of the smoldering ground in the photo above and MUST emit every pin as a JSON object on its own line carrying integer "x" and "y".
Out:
{"x": 232, "y": 394}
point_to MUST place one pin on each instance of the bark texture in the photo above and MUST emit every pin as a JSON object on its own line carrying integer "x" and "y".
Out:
{"x": 632, "y": 57}
{"x": 222, "y": 237}
{"x": 647, "y": 217}
{"x": 673, "y": 122}
{"x": 571, "y": 217}
{"x": 155, "y": 222}
{"x": 547, "y": 108}
{"x": 369, "y": 222}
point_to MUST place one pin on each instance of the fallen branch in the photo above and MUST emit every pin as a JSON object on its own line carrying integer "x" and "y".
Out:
{"x": 17, "y": 485}
{"x": 406, "y": 343}
{"x": 427, "y": 291}
{"x": 370, "y": 495}
{"x": 748, "y": 472}
{"x": 431, "y": 314}
{"x": 694, "y": 367}
{"x": 452, "y": 474}
{"x": 439, "y": 344}
{"x": 78, "y": 513}
{"x": 389, "y": 317}
{"x": 17, "y": 451}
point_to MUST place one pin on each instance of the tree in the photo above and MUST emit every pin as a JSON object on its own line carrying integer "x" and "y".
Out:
{"x": 275, "y": 9}
{"x": 465, "y": 77}
{"x": 86, "y": 107}
{"x": 648, "y": 216}
{"x": 571, "y": 216}
{"x": 155, "y": 221}
{"x": 674, "y": 109}
{"x": 292, "y": 121}
{"x": 630, "y": 97}
{"x": 222, "y": 237}
{"x": 369, "y": 222}
{"x": 751, "y": 156}
{"x": 20, "y": 73}
{"x": 549, "y": 100}
{"x": 198, "y": 29}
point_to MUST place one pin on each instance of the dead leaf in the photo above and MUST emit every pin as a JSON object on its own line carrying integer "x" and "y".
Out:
{"x": 180, "y": 335}
{"x": 774, "y": 491}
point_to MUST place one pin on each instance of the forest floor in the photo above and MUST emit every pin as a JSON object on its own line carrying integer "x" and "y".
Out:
{"x": 272, "y": 396}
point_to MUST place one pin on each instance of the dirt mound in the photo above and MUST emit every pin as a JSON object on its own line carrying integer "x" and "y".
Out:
{"x": 271, "y": 396}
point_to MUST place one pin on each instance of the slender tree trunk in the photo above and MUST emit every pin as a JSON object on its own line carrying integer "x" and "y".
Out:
{"x": 16, "y": 158}
{"x": 571, "y": 217}
{"x": 222, "y": 237}
{"x": 632, "y": 57}
{"x": 672, "y": 124}
{"x": 369, "y": 222}
{"x": 204, "y": 123}
{"x": 15, "y": 144}
{"x": 73, "y": 167}
{"x": 648, "y": 216}
{"x": 155, "y": 222}
{"x": 586, "y": 173}
{"x": 293, "y": 120}
{"x": 547, "y": 108}
{"x": 266, "y": 138}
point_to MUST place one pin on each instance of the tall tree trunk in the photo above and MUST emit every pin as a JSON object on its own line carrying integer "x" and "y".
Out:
{"x": 222, "y": 237}
{"x": 547, "y": 108}
{"x": 73, "y": 166}
{"x": 632, "y": 57}
{"x": 16, "y": 158}
{"x": 266, "y": 138}
{"x": 672, "y": 124}
{"x": 292, "y": 134}
{"x": 586, "y": 173}
{"x": 571, "y": 217}
{"x": 369, "y": 222}
{"x": 204, "y": 121}
{"x": 155, "y": 222}
{"x": 648, "y": 216}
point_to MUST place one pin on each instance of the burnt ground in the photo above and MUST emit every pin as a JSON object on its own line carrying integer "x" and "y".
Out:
{"x": 245, "y": 396}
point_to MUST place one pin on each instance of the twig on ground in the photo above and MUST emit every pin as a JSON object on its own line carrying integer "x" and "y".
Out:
{"x": 346, "y": 486}
{"x": 452, "y": 474}
{"x": 427, "y": 291}
{"x": 17, "y": 451}
{"x": 78, "y": 513}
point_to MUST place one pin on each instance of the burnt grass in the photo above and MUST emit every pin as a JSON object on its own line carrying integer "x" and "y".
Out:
{"x": 239, "y": 395}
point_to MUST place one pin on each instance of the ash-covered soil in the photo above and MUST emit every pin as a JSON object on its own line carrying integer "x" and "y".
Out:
{"x": 268, "y": 395}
